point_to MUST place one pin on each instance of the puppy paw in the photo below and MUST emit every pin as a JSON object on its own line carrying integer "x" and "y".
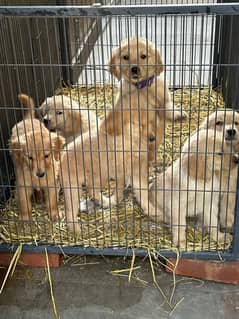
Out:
{"x": 222, "y": 237}
{"x": 179, "y": 115}
{"x": 109, "y": 202}
{"x": 179, "y": 241}
{"x": 181, "y": 245}
{"x": 87, "y": 206}
{"x": 176, "y": 114}
{"x": 227, "y": 226}
{"x": 54, "y": 216}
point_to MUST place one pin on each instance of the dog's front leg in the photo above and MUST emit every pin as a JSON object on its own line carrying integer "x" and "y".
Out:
{"x": 51, "y": 197}
{"x": 24, "y": 200}
{"x": 173, "y": 113}
{"x": 141, "y": 191}
{"x": 115, "y": 122}
{"x": 72, "y": 202}
{"x": 212, "y": 220}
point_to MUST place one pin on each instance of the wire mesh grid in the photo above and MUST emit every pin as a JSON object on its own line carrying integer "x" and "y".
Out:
{"x": 127, "y": 142}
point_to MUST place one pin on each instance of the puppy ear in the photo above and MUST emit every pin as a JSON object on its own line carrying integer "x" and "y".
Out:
{"x": 113, "y": 67}
{"x": 204, "y": 124}
{"x": 194, "y": 165}
{"x": 159, "y": 63}
{"x": 58, "y": 143}
{"x": 16, "y": 146}
{"x": 40, "y": 112}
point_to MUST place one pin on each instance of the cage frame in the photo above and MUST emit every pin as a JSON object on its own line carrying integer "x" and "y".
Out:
{"x": 126, "y": 10}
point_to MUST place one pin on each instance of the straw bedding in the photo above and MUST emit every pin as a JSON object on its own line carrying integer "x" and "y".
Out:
{"x": 125, "y": 225}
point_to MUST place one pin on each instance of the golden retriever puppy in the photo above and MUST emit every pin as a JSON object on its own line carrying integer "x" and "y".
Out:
{"x": 35, "y": 153}
{"x": 192, "y": 185}
{"x": 143, "y": 94}
{"x": 227, "y": 121}
{"x": 64, "y": 115}
{"x": 93, "y": 160}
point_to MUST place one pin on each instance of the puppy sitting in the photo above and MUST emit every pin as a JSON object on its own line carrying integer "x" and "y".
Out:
{"x": 35, "y": 153}
{"x": 63, "y": 115}
{"x": 143, "y": 94}
{"x": 92, "y": 160}
{"x": 227, "y": 122}
{"x": 192, "y": 185}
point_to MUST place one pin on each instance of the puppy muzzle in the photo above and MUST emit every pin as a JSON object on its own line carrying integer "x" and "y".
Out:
{"x": 230, "y": 134}
{"x": 135, "y": 71}
{"x": 235, "y": 159}
{"x": 46, "y": 122}
{"x": 40, "y": 174}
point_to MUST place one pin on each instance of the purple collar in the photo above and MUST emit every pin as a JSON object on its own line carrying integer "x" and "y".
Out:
{"x": 144, "y": 83}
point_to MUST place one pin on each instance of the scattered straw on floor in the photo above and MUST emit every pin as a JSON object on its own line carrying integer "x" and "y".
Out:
{"x": 125, "y": 225}
{"x": 56, "y": 314}
{"x": 12, "y": 266}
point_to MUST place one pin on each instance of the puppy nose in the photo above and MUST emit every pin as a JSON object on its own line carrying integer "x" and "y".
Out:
{"x": 135, "y": 70}
{"x": 152, "y": 138}
{"x": 235, "y": 159}
{"x": 46, "y": 121}
{"x": 231, "y": 132}
{"x": 40, "y": 174}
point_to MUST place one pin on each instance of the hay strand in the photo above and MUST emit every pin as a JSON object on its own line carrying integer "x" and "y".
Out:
{"x": 155, "y": 280}
{"x": 125, "y": 270}
{"x": 57, "y": 316}
{"x": 176, "y": 305}
{"x": 12, "y": 266}
{"x": 131, "y": 266}
{"x": 174, "y": 277}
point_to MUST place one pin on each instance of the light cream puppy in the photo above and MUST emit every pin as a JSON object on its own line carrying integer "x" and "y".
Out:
{"x": 64, "y": 115}
{"x": 93, "y": 160}
{"x": 227, "y": 122}
{"x": 143, "y": 93}
{"x": 192, "y": 185}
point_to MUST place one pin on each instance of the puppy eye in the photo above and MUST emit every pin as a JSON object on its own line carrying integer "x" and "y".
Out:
{"x": 219, "y": 153}
{"x": 126, "y": 57}
{"x": 30, "y": 158}
{"x": 219, "y": 123}
{"x": 143, "y": 56}
{"x": 59, "y": 112}
{"x": 236, "y": 123}
{"x": 47, "y": 155}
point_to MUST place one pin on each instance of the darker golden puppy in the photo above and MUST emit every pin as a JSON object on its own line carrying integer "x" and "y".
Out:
{"x": 35, "y": 153}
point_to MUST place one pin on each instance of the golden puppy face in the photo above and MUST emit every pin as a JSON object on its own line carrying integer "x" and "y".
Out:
{"x": 38, "y": 151}
{"x": 58, "y": 112}
{"x": 226, "y": 121}
{"x": 208, "y": 152}
{"x": 136, "y": 60}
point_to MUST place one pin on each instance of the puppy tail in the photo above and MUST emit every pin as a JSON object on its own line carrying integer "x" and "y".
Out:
{"x": 29, "y": 104}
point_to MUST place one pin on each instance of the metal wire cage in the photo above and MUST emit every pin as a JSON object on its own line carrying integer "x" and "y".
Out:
{"x": 130, "y": 140}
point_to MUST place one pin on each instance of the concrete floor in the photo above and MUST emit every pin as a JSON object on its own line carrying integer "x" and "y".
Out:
{"x": 91, "y": 291}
